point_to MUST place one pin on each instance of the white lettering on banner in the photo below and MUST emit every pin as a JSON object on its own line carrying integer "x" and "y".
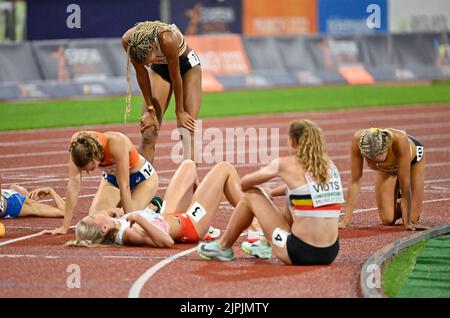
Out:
{"x": 73, "y": 21}
{"x": 329, "y": 193}
{"x": 374, "y": 20}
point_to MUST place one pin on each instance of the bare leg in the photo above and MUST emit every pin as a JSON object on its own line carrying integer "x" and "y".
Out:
{"x": 107, "y": 197}
{"x": 161, "y": 91}
{"x": 192, "y": 96}
{"x": 417, "y": 186}
{"x": 256, "y": 203}
{"x": 181, "y": 188}
{"x": 144, "y": 192}
{"x": 222, "y": 179}
{"x": 384, "y": 194}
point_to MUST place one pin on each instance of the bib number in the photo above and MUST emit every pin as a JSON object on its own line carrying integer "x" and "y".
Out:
{"x": 419, "y": 153}
{"x": 147, "y": 170}
{"x": 325, "y": 194}
{"x": 196, "y": 212}
{"x": 193, "y": 59}
{"x": 279, "y": 237}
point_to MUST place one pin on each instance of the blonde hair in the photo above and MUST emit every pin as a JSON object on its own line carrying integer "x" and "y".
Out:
{"x": 89, "y": 235}
{"x": 374, "y": 141}
{"x": 139, "y": 46}
{"x": 311, "y": 148}
{"x": 85, "y": 148}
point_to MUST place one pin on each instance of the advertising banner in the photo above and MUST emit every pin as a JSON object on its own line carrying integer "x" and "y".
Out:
{"x": 352, "y": 17}
{"x": 419, "y": 15}
{"x": 284, "y": 17}
{"x": 17, "y": 63}
{"x": 77, "y": 59}
{"x": 64, "y": 19}
{"x": 207, "y": 16}
{"x": 220, "y": 54}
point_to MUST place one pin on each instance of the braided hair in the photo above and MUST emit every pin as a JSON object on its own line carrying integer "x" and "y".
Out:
{"x": 373, "y": 142}
{"x": 139, "y": 47}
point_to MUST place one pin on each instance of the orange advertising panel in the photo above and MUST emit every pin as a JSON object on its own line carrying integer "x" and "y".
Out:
{"x": 220, "y": 54}
{"x": 283, "y": 17}
{"x": 356, "y": 75}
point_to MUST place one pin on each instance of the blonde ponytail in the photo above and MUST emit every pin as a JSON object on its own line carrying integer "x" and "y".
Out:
{"x": 89, "y": 235}
{"x": 311, "y": 149}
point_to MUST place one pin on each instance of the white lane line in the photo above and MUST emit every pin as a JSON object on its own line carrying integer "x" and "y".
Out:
{"x": 224, "y": 122}
{"x": 135, "y": 290}
{"x": 96, "y": 178}
{"x": 23, "y": 238}
{"x": 329, "y": 132}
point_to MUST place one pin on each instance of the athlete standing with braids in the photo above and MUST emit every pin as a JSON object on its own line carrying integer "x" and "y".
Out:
{"x": 128, "y": 179}
{"x": 163, "y": 63}
{"x": 306, "y": 231}
{"x": 399, "y": 163}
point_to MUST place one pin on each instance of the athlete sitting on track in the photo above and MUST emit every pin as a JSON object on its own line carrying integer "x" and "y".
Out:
{"x": 399, "y": 163}
{"x": 306, "y": 231}
{"x": 145, "y": 227}
{"x": 128, "y": 178}
{"x": 18, "y": 202}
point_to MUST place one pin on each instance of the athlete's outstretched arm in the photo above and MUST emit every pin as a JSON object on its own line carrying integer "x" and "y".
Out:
{"x": 356, "y": 166}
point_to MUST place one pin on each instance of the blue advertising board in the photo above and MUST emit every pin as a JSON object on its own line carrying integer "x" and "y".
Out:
{"x": 64, "y": 19}
{"x": 352, "y": 16}
{"x": 207, "y": 16}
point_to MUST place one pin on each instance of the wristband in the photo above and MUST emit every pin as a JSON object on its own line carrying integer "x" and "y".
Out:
{"x": 151, "y": 107}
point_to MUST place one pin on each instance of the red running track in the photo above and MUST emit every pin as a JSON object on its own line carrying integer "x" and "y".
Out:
{"x": 37, "y": 266}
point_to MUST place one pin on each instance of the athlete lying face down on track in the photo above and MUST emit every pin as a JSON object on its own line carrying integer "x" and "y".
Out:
{"x": 128, "y": 178}
{"x": 305, "y": 232}
{"x": 190, "y": 209}
{"x": 399, "y": 163}
{"x": 18, "y": 202}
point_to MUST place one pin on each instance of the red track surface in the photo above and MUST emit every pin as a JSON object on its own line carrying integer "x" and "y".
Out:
{"x": 36, "y": 267}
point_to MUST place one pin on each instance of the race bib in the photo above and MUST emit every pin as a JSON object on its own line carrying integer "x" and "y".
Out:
{"x": 147, "y": 170}
{"x": 279, "y": 237}
{"x": 419, "y": 153}
{"x": 196, "y": 212}
{"x": 330, "y": 193}
{"x": 193, "y": 59}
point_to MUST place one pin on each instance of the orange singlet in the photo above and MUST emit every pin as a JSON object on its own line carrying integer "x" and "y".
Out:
{"x": 108, "y": 158}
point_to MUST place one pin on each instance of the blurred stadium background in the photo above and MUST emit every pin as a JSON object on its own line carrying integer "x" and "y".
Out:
{"x": 71, "y": 49}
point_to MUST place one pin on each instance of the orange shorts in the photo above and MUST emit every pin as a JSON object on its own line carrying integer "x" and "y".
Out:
{"x": 187, "y": 233}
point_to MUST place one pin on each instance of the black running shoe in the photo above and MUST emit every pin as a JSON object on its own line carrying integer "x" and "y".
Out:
{"x": 157, "y": 202}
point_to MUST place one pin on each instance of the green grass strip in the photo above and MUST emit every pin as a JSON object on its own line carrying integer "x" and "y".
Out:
{"x": 77, "y": 112}
{"x": 431, "y": 274}
{"x": 399, "y": 268}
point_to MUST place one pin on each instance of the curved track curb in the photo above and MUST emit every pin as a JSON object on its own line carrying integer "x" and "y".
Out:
{"x": 372, "y": 267}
